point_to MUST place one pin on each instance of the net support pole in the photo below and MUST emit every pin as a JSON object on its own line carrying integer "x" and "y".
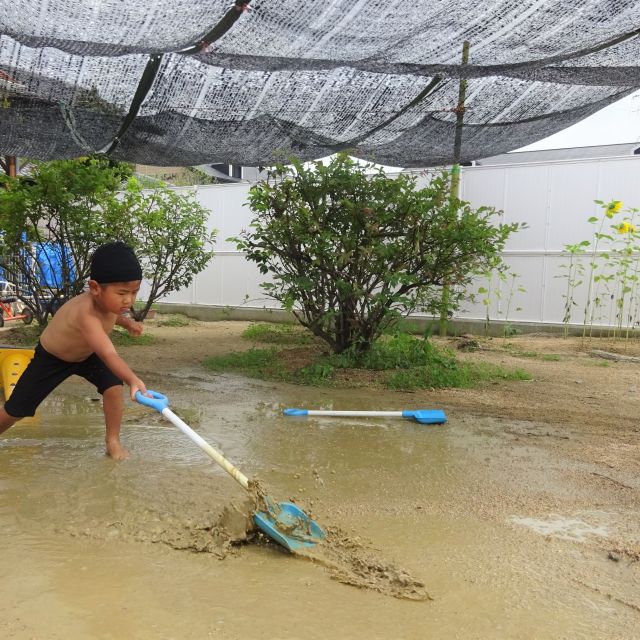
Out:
{"x": 454, "y": 190}
{"x": 11, "y": 164}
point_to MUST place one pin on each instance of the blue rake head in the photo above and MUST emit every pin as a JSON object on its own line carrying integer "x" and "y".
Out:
{"x": 288, "y": 525}
{"x": 426, "y": 416}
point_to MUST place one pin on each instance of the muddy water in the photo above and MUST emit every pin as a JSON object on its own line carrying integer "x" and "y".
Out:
{"x": 435, "y": 531}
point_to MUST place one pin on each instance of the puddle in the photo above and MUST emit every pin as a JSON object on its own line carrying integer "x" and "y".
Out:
{"x": 418, "y": 546}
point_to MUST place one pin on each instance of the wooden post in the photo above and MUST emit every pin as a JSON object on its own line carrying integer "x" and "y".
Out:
{"x": 454, "y": 189}
{"x": 12, "y": 166}
{"x": 9, "y": 164}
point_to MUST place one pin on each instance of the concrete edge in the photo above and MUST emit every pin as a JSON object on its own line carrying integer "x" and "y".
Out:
{"x": 418, "y": 325}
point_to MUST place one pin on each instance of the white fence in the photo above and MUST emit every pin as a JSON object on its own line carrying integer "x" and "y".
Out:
{"x": 554, "y": 198}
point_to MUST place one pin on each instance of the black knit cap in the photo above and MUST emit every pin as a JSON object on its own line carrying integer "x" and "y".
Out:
{"x": 114, "y": 262}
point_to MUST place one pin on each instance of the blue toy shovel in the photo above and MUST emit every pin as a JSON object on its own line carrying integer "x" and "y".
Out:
{"x": 423, "y": 416}
{"x": 283, "y": 522}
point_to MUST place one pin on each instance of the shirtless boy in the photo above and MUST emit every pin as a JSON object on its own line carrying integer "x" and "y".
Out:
{"x": 76, "y": 341}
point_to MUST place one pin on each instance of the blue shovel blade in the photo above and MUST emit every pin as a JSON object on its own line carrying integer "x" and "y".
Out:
{"x": 288, "y": 525}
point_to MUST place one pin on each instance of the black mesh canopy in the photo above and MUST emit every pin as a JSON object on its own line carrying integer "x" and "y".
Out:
{"x": 200, "y": 81}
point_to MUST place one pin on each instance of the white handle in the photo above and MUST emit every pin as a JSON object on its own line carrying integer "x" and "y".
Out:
{"x": 362, "y": 414}
{"x": 236, "y": 474}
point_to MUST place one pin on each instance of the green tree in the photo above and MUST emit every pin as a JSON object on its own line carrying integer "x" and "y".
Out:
{"x": 168, "y": 230}
{"x": 58, "y": 215}
{"x": 350, "y": 253}
{"x": 65, "y": 209}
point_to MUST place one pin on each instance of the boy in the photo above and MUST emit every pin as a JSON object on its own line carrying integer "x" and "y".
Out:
{"x": 76, "y": 341}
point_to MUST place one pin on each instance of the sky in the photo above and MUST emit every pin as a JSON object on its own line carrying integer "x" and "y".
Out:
{"x": 617, "y": 123}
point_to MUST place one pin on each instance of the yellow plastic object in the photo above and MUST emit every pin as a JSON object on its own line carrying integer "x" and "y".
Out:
{"x": 13, "y": 362}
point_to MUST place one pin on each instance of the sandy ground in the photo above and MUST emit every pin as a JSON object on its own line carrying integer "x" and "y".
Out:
{"x": 518, "y": 518}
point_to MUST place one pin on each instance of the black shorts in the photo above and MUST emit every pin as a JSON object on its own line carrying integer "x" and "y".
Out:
{"x": 45, "y": 372}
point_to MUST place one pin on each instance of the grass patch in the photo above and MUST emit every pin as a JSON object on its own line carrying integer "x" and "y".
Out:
{"x": 277, "y": 333}
{"x": 121, "y": 338}
{"x": 517, "y": 352}
{"x": 174, "y": 320}
{"x": 461, "y": 375}
{"x": 255, "y": 363}
{"x": 521, "y": 353}
{"x": 400, "y": 362}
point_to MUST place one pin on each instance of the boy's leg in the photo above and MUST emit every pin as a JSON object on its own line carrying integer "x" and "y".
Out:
{"x": 113, "y": 407}
{"x": 6, "y": 420}
{"x": 110, "y": 386}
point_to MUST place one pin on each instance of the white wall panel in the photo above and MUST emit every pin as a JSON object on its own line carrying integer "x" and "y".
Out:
{"x": 229, "y": 215}
{"x": 573, "y": 188}
{"x": 556, "y": 292}
{"x": 527, "y": 201}
{"x": 620, "y": 180}
{"x": 485, "y": 185}
{"x": 554, "y": 199}
{"x": 527, "y": 305}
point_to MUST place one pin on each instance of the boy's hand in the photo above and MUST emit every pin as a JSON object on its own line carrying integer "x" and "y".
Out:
{"x": 137, "y": 385}
{"x": 134, "y": 328}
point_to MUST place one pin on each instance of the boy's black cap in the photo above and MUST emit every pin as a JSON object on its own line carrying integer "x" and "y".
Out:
{"x": 114, "y": 262}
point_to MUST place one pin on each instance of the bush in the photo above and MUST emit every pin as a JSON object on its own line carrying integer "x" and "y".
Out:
{"x": 351, "y": 254}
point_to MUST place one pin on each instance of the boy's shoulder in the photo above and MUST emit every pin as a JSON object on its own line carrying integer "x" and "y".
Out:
{"x": 79, "y": 306}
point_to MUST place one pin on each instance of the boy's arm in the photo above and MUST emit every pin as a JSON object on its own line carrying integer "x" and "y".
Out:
{"x": 100, "y": 343}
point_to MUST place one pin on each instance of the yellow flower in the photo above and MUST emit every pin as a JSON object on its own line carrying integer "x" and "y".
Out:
{"x": 613, "y": 207}
{"x": 626, "y": 227}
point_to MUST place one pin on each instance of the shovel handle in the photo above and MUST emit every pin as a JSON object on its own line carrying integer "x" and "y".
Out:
{"x": 160, "y": 403}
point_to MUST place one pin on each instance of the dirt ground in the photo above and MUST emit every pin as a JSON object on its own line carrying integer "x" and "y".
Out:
{"x": 572, "y": 384}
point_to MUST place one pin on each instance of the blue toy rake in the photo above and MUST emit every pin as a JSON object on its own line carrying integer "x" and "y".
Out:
{"x": 423, "y": 416}
{"x": 283, "y": 522}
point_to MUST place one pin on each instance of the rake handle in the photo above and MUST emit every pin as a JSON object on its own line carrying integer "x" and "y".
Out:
{"x": 160, "y": 404}
{"x": 361, "y": 414}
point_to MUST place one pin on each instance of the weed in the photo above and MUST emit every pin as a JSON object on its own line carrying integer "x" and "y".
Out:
{"x": 174, "y": 320}
{"x": 315, "y": 374}
{"x": 398, "y": 352}
{"x": 121, "y": 338}
{"x": 257, "y": 363}
{"x": 277, "y": 333}
{"x": 487, "y": 372}
{"x": 525, "y": 354}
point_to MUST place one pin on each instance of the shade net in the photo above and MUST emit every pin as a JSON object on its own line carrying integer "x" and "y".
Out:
{"x": 202, "y": 81}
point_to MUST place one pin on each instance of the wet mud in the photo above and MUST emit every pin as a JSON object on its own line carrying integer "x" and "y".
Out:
{"x": 350, "y": 562}
{"x": 223, "y": 532}
{"x": 504, "y": 523}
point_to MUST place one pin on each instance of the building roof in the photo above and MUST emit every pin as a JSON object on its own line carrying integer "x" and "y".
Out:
{"x": 571, "y": 153}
